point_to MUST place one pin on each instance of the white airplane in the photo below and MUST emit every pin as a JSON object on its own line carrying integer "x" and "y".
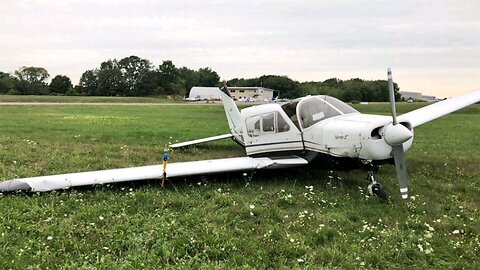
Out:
{"x": 320, "y": 131}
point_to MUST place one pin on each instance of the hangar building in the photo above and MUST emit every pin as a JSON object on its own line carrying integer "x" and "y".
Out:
{"x": 211, "y": 93}
{"x": 417, "y": 96}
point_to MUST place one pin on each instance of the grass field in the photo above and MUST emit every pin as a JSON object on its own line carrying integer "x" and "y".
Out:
{"x": 82, "y": 99}
{"x": 297, "y": 218}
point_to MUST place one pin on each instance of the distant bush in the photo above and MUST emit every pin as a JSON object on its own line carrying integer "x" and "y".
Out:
{"x": 13, "y": 92}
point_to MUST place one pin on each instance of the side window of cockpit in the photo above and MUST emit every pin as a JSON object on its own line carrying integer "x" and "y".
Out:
{"x": 253, "y": 126}
{"x": 268, "y": 121}
{"x": 282, "y": 124}
{"x": 266, "y": 124}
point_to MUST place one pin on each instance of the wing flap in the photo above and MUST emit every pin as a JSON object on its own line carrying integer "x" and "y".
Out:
{"x": 65, "y": 181}
{"x": 439, "y": 109}
{"x": 199, "y": 141}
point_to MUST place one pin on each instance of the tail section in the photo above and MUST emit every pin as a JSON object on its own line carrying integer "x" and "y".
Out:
{"x": 234, "y": 117}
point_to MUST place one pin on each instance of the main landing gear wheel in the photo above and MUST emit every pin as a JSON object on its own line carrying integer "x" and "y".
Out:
{"x": 375, "y": 188}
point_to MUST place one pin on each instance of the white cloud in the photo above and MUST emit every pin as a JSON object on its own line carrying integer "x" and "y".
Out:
{"x": 422, "y": 41}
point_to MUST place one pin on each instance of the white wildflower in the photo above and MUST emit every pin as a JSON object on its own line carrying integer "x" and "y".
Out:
{"x": 252, "y": 206}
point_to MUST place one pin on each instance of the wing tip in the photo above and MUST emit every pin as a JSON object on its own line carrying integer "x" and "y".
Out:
{"x": 14, "y": 185}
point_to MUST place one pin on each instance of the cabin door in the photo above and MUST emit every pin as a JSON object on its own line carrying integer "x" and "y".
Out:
{"x": 271, "y": 132}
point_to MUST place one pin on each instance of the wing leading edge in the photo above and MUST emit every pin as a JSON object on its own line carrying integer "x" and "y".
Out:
{"x": 199, "y": 141}
{"x": 439, "y": 109}
{"x": 65, "y": 181}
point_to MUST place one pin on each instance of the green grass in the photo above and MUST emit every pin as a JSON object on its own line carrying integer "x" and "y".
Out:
{"x": 297, "y": 218}
{"x": 83, "y": 99}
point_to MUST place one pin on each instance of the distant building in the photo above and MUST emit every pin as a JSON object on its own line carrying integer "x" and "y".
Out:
{"x": 258, "y": 93}
{"x": 430, "y": 98}
{"x": 238, "y": 93}
{"x": 202, "y": 93}
{"x": 417, "y": 96}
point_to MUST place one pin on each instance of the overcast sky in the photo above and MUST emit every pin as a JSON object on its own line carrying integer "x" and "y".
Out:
{"x": 432, "y": 46}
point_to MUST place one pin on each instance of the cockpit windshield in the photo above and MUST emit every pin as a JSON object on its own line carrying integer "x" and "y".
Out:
{"x": 315, "y": 109}
{"x": 340, "y": 105}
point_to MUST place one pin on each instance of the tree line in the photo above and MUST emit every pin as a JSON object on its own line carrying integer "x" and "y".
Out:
{"x": 130, "y": 76}
{"x": 135, "y": 76}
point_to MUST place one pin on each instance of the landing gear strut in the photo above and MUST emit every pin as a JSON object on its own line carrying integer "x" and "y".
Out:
{"x": 374, "y": 187}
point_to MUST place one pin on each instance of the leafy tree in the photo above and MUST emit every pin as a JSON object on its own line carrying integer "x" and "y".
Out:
{"x": 168, "y": 72}
{"x": 286, "y": 86}
{"x": 134, "y": 69}
{"x": 244, "y": 82}
{"x": 88, "y": 84}
{"x": 148, "y": 85}
{"x": 32, "y": 74}
{"x": 60, "y": 84}
{"x": 31, "y": 80}
{"x": 110, "y": 79}
{"x": 350, "y": 90}
{"x": 7, "y": 83}
{"x": 207, "y": 77}
{"x": 189, "y": 78}
{"x": 333, "y": 82}
{"x": 167, "y": 76}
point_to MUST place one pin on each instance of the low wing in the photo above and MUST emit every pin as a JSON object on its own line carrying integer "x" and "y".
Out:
{"x": 199, "y": 141}
{"x": 65, "y": 181}
{"x": 439, "y": 109}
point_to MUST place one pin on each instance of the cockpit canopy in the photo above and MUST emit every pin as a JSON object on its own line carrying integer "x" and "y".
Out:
{"x": 305, "y": 112}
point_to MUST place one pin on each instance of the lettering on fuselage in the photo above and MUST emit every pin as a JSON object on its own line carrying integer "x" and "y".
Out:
{"x": 341, "y": 137}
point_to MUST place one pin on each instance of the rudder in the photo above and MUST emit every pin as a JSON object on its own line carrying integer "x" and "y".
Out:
{"x": 234, "y": 117}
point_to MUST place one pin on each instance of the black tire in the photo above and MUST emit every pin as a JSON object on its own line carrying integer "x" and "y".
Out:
{"x": 378, "y": 191}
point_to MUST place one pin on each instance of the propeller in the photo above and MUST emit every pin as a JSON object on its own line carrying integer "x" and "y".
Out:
{"x": 396, "y": 134}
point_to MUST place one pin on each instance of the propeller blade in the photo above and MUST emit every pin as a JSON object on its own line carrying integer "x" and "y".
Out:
{"x": 391, "y": 93}
{"x": 401, "y": 168}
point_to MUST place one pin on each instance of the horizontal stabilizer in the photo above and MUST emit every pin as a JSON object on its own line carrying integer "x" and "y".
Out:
{"x": 199, "y": 141}
{"x": 65, "y": 181}
{"x": 439, "y": 109}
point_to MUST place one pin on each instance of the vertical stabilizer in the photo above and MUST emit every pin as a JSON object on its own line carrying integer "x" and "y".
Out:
{"x": 233, "y": 114}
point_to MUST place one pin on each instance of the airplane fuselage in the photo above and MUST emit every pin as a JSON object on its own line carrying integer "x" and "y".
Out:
{"x": 328, "y": 134}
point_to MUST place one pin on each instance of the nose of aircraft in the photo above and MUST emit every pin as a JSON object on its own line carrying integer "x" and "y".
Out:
{"x": 396, "y": 134}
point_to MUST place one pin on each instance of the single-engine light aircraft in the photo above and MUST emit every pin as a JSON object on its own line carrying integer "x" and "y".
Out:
{"x": 319, "y": 131}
